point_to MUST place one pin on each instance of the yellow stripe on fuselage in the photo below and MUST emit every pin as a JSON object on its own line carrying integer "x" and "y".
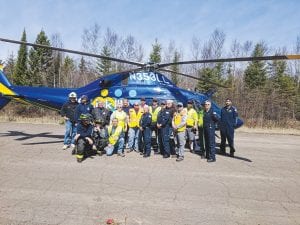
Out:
{"x": 6, "y": 91}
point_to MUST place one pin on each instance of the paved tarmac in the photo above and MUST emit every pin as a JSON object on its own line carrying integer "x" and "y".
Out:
{"x": 41, "y": 184}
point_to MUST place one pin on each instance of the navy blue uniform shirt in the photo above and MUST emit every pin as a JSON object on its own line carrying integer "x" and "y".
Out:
{"x": 83, "y": 109}
{"x": 210, "y": 118}
{"x": 146, "y": 120}
{"x": 85, "y": 130}
{"x": 166, "y": 117}
{"x": 228, "y": 117}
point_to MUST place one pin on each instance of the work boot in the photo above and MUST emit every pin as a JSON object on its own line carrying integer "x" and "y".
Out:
{"x": 202, "y": 155}
{"x": 232, "y": 150}
{"x": 129, "y": 150}
{"x": 179, "y": 159}
{"x": 222, "y": 151}
{"x": 211, "y": 160}
{"x": 121, "y": 154}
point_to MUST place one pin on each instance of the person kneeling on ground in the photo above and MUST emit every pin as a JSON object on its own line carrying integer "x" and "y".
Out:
{"x": 115, "y": 139}
{"x": 100, "y": 136}
{"x": 83, "y": 137}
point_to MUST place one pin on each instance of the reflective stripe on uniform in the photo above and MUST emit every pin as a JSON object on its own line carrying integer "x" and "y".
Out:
{"x": 79, "y": 156}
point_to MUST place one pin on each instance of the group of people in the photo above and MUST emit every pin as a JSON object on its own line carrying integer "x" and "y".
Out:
{"x": 167, "y": 128}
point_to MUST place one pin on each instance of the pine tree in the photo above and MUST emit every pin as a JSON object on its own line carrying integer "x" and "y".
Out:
{"x": 255, "y": 73}
{"x": 40, "y": 60}
{"x": 283, "y": 88}
{"x": 281, "y": 80}
{"x": 104, "y": 66}
{"x": 53, "y": 72}
{"x": 155, "y": 55}
{"x": 68, "y": 69}
{"x": 82, "y": 66}
{"x": 213, "y": 74}
{"x": 175, "y": 68}
{"x": 20, "y": 70}
{"x": 10, "y": 67}
{"x": 83, "y": 71}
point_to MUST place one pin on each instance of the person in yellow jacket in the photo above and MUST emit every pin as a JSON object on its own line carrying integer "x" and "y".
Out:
{"x": 191, "y": 126}
{"x": 179, "y": 127}
{"x": 121, "y": 115}
{"x": 115, "y": 139}
{"x": 135, "y": 115}
{"x": 201, "y": 132}
{"x": 154, "y": 110}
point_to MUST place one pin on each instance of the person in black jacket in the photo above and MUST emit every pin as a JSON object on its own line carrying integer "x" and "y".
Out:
{"x": 145, "y": 127}
{"x": 100, "y": 136}
{"x": 83, "y": 137}
{"x": 210, "y": 118}
{"x": 159, "y": 128}
{"x": 101, "y": 113}
{"x": 68, "y": 112}
{"x": 165, "y": 123}
{"x": 84, "y": 107}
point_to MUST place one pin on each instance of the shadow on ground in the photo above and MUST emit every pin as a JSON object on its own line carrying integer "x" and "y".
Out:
{"x": 22, "y": 136}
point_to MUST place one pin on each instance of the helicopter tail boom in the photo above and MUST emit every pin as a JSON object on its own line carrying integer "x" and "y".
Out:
{"x": 4, "y": 90}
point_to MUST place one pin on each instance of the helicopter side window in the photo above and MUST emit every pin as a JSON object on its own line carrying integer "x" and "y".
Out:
{"x": 125, "y": 82}
{"x": 104, "y": 83}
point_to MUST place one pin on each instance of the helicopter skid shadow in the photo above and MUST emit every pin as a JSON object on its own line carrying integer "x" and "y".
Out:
{"x": 22, "y": 136}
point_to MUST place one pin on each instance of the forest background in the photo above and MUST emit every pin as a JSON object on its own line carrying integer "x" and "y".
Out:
{"x": 266, "y": 93}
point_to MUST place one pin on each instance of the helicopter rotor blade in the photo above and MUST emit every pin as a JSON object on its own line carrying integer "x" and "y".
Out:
{"x": 240, "y": 59}
{"x": 195, "y": 78}
{"x": 72, "y": 51}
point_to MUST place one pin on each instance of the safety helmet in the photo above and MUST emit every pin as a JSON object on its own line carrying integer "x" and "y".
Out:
{"x": 72, "y": 95}
{"x": 84, "y": 117}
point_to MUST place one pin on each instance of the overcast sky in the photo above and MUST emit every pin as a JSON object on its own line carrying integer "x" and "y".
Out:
{"x": 274, "y": 21}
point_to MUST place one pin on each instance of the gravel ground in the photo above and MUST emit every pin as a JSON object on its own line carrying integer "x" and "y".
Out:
{"x": 41, "y": 184}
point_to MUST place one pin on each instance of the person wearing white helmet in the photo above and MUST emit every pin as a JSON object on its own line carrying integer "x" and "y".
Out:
{"x": 68, "y": 113}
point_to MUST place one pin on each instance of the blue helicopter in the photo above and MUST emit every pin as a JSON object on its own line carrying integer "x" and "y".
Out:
{"x": 143, "y": 81}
